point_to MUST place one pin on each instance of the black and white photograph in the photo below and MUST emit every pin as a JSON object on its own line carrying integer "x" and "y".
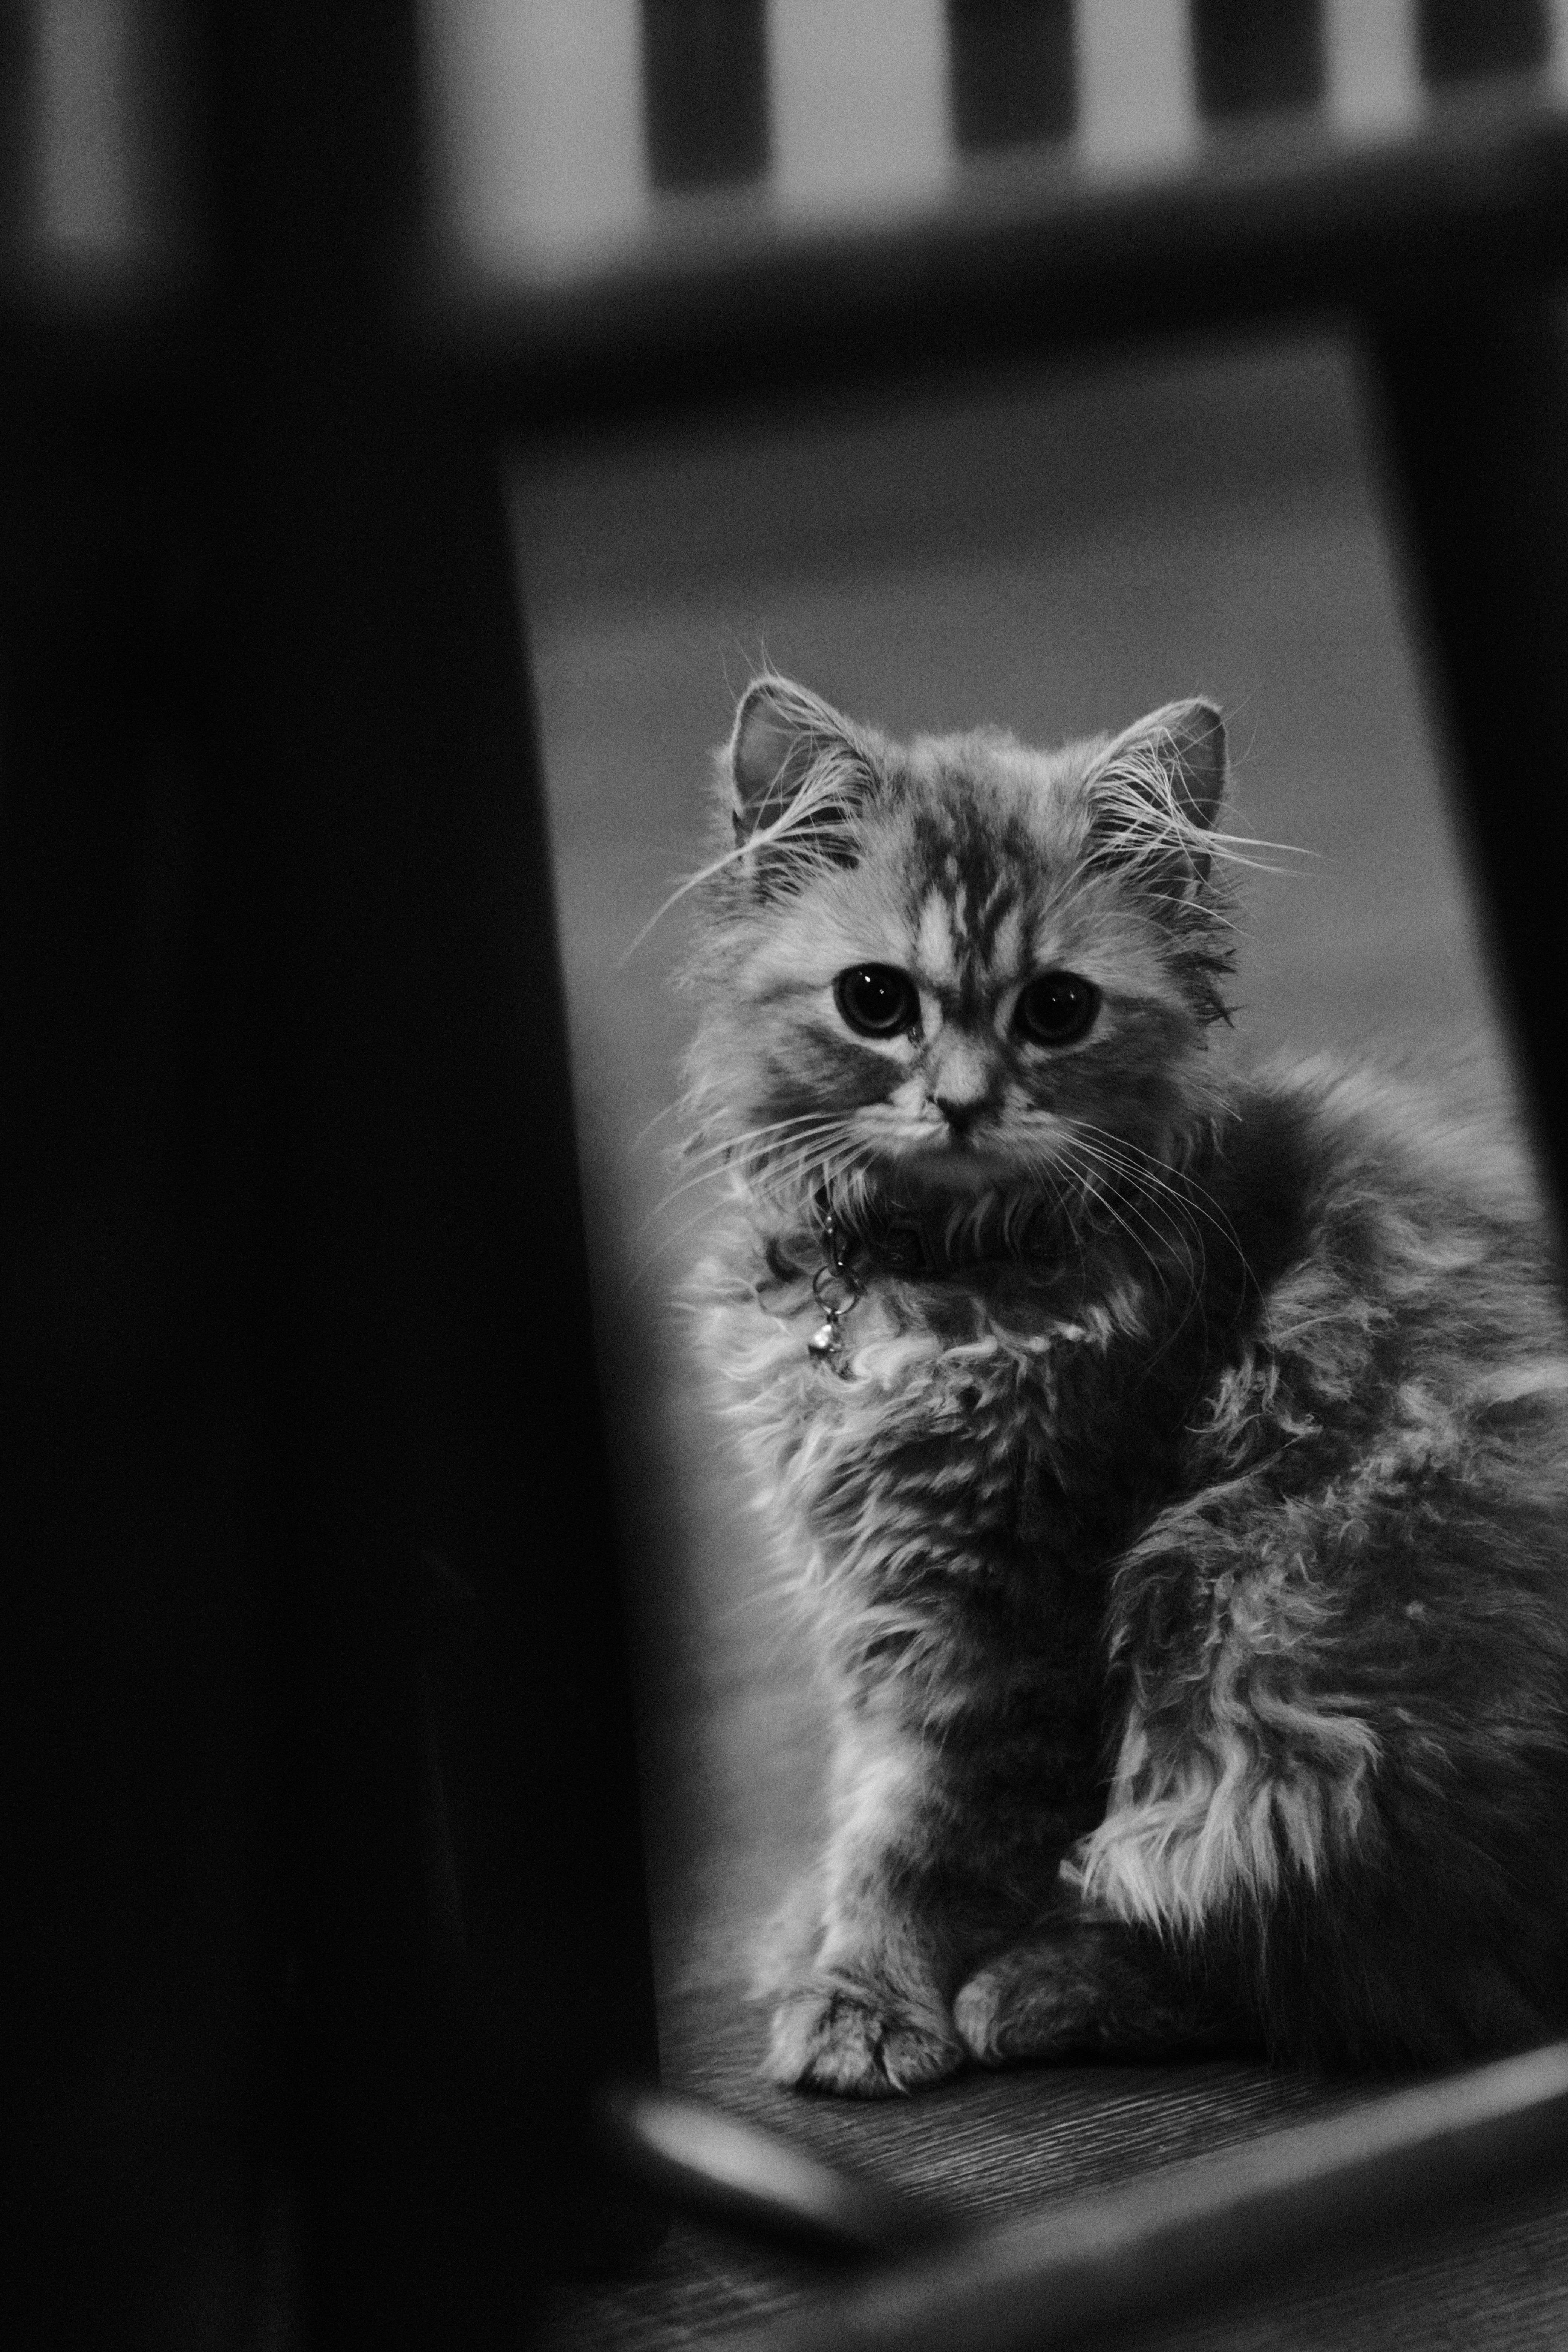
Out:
{"x": 786, "y": 1375}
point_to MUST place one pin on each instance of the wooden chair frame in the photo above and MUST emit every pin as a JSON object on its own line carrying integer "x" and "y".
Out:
{"x": 299, "y": 1288}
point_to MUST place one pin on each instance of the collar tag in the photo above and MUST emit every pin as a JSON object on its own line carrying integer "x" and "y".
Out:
{"x": 837, "y": 1292}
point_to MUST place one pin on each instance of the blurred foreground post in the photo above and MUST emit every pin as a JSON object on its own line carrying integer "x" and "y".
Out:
{"x": 1474, "y": 398}
{"x": 329, "y": 1918}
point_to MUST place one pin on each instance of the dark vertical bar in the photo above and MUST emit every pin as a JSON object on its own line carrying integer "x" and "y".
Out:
{"x": 1011, "y": 70}
{"x": 294, "y": 1292}
{"x": 1459, "y": 39}
{"x": 418, "y": 1288}
{"x": 1475, "y": 407}
{"x": 1250, "y": 54}
{"x": 15, "y": 96}
{"x": 143, "y": 1969}
{"x": 705, "y": 91}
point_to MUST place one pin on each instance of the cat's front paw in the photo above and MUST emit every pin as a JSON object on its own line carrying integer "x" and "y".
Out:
{"x": 985, "y": 2015}
{"x": 1038, "y": 1999}
{"x": 861, "y": 2044}
{"x": 1089, "y": 1989}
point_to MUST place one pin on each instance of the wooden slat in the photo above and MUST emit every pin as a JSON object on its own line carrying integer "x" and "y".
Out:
{"x": 1471, "y": 393}
{"x": 1250, "y": 59}
{"x": 710, "y": 2164}
{"x": 1271, "y": 224}
{"x": 1011, "y": 72}
{"x": 860, "y": 126}
{"x": 1090, "y": 2266}
{"x": 1459, "y": 40}
{"x": 1135, "y": 84}
{"x": 1373, "y": 74}
{"x": 95, "y": 212}
{"x": 705, "y": 96}
{"x": 539, "y": 156}
{"x": 85, "y": 182}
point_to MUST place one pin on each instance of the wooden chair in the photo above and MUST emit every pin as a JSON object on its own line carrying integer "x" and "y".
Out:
{"x": 315, "y": 1566}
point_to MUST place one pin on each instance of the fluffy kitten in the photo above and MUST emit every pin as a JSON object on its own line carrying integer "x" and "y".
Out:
{"x": 1175, "y": 1461}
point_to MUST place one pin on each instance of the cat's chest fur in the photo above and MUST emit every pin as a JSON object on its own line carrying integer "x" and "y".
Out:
{"x": 992, "y": 1445}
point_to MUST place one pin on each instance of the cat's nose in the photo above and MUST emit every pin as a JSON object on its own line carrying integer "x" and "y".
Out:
{"x": 960, "y": 1111}
{"x": 959, "y": 1079}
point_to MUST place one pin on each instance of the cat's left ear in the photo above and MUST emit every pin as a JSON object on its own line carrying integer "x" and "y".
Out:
{"x": 795, "y": 764}
{"x": 1173, "y": 763}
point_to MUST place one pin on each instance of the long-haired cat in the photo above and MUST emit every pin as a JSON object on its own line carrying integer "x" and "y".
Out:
{"x": 1175, "y": 1461}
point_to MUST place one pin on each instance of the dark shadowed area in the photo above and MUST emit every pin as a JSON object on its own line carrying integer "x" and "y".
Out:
{"x": 1056, "y": 553}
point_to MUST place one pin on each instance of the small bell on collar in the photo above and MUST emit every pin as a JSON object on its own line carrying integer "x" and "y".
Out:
{"x": 826, "y": 1345}
{"x": 836, "y": 1291}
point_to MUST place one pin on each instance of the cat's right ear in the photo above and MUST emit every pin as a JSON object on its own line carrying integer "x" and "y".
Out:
{"x": 796, "y": 769}
{"x": 1160, "y": 788}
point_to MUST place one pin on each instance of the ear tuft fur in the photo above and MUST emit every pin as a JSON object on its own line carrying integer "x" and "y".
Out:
{"x": 769, "y": 750}
{"x": 1162, "y": 784}
{"x": 797, "y": 775}
{"x": 1156, "y": 792}
{"x": 1183, "y": 744}
{"x": 1200, "y": 773}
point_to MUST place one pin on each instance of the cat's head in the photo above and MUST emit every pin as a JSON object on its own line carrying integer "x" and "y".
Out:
{"x": 960, "y": 968}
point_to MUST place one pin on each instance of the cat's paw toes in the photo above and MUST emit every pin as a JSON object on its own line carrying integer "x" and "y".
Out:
{"x": 1011, "y": 2009}
{"x": 1090, "y": 1993}
{"x": 861, "y": 2045}
{"x": 978, "y": 2015}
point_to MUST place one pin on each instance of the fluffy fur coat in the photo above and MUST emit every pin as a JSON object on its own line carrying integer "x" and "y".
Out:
{"x": 1178, "y": 1481}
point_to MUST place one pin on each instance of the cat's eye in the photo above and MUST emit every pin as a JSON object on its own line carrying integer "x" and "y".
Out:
{"x": 1057, "y": 1009}
{"x": 876, "y": 999}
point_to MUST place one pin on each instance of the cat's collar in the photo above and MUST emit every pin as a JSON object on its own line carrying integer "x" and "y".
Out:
{"x": 921, "y": 1244}
{"x": 898, "y": 1238}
